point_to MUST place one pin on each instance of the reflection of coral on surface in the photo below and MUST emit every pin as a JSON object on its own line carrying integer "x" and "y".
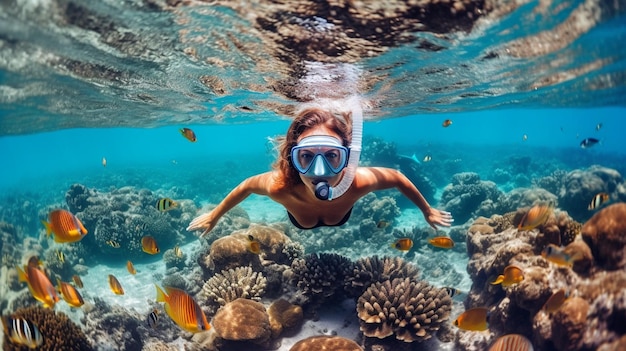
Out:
{"x": 58, "y": 331}
{"x": 410, "y": 310}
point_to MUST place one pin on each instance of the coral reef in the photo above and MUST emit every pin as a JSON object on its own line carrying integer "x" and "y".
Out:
{"x": 606, "y": 236}
{"x": 369, "y": 270}
{"x": 407, "y": 309}
{"x": 244, "y": 322}
{"x": 324, "y": 342}
{"x": 594, "y": 314}
{"x": 468, "y": 197}
{"x": 58, "y": 331}
{"x": 230, "y": 252}
{"x": 124, "y": 216}
{"x": 109, "y": 326}
{"x": 284, "y": 316}
{"x": 229, "y": 285}
{"x": 372, "y": 209}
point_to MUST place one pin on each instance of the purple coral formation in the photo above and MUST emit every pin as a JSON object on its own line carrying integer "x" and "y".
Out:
{"x": 594, "y": 314}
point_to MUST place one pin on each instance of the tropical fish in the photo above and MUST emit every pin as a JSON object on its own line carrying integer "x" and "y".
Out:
{"x": 149, "y": 245}
{"x": 22, "y": 332}
{"x": 34, "y": 261}
{"x": 446, "y": 123}
{"x": 512, "y": 342}
{"x": 555, "y": 301}
{"x": 558, "y": 256}
{"x": 166, "y": 204}
{"x": 39, "y": 285}
{"x": 512, "y": 275}
{"x": 152, "y": 318}
{"x": 115, "y": 285}
{"x": 589, "y": 142}
{"x": 178, "y": 252}
{"x": 66, "y": 227}
{"x": 130, "y": 267}
{"x": 443, "y": 242}
{"x": 524, "y": 137}
{"x": 598, "y": 200}
{"x": 104, "y": 162}
{"x": 70, "y": 294}
{"x": 183, "y": 309}
{"x": 403, "y": 244}
{"x": 598, "y": 126}
{"x": 536, "y": 216}
{"x": 452, "y": 292}
{"x": 77, "y": 281}
{"x": 427, "y": 158}
{"x": 253, "y": 246}
{"x": 60, "y": 256}
{"x": 475, "y": 319}
{"x": 114, "y": 244}
{"x": 188, "y": 134}
{"x": 382, "y": 224}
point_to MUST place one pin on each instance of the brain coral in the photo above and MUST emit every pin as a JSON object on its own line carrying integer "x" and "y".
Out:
{"x": 58, "y": 331}
{"x": 325, "y": 343}
{"x": 319, "y": 276}
{"x": 243, "y": 320}
{"x": 605, "y": 233}
{"x": 369, "y": 270}
{"x": 411, "y": 310}
{"x": 229, "y": 285}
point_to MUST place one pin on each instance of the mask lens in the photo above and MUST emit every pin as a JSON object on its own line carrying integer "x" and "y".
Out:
{"x": 335, "y": 157}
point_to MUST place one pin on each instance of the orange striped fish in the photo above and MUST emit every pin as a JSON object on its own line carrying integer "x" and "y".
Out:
{"x": 512, "y": 342}
{"x": 443, "y": 242}
{"x": 130, "y": 267}
{"x": 475, "y": 319}
{"x": 21, "y": 331}
{"x": 115, "y": 285}
{"x": 65, "y": 226}
{"x": 403, "y": 244}
{"x": 536, "y": 216}
{"x": 70, "y": 294}
{"x": 39, "y": 285}
{"x": 183, "y": 309}
{"x": 149, "y": 245}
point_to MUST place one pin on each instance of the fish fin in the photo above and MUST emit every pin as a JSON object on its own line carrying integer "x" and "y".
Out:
{"x": 161, "y": 296}
{"x": 48, "y": 227}
{"x": 498, "y": 280}
{"x": 21, "y": 275}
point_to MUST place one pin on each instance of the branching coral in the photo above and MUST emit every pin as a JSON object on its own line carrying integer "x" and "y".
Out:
{"x": 58, "y": 331}
{"x": 232, "y": 284}
{"x": 369, "y": 270}
{"x": 411, "y": 310}
{"x": 319, "y": 276}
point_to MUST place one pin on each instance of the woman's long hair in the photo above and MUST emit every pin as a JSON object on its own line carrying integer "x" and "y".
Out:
{"x": 307, "y": 119}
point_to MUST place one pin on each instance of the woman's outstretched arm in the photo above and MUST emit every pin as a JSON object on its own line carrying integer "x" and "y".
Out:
{"x": 258, "y": 184}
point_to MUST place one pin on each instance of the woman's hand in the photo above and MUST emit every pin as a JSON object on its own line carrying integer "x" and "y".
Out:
{"x": 435, "y": 217}
{"x": 204, "y": 221}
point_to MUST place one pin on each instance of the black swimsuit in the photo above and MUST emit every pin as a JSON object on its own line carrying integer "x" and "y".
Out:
{"x": 320, "y": 223}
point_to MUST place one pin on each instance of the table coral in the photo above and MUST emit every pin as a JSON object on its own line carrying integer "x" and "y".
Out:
{"x": 408, "y": 309}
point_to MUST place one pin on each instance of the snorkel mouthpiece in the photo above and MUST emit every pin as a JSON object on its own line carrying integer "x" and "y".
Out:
{"x": 322, "y": 190}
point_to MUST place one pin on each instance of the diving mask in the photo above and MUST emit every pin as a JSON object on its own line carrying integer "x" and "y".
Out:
{"x": 319, "y": 156}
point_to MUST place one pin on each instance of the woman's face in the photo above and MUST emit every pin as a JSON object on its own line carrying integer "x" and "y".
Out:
{"x": 319, "y": 130}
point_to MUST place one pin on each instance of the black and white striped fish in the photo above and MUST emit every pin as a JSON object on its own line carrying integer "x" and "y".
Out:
{"x": 598, "y": 200}
{"x": 166, "y": 204}
{"x": 153, "y": 318}
{"x": 22, "y": 332}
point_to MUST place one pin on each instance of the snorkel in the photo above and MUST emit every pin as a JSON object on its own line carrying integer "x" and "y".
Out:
{"x": 323, "y": 190}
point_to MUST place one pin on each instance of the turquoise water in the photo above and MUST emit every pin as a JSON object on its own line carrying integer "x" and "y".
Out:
{"x": 82, "y": 82}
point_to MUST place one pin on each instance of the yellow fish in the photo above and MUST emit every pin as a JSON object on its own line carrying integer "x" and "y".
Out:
{"x": 39, "y": 285}
{"x": 536, "y": 216}
{"x": 403, "y": 244}
{"x": 598, "y": 200}
{"x": 130, "y": 267}
{"x": 452, "y": 291}
{"x": 115, "y": 285}
{"x": 70, "y": 294}
{"x": 166, "y": 204}
{"x": 21, "y": 331}
{"x": 188, "y": 134}
{"x": 512, "y": 275}
{"x": 558, "y": 256}
{"x": 65, "y": 226}
{"x": 475, "y": 319}
{"x": 555, "y": 301}
{"x": 178, "y": 252}
{"x": 114, "y": 244}
{"x": 149, "y": 245}
{"x": 61, "y": 256}
{"x": 254, "y": 246}
{"x": 183, "y": 309}
{"x": 443, "y": 242}
{"x": 447, "y": 123}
